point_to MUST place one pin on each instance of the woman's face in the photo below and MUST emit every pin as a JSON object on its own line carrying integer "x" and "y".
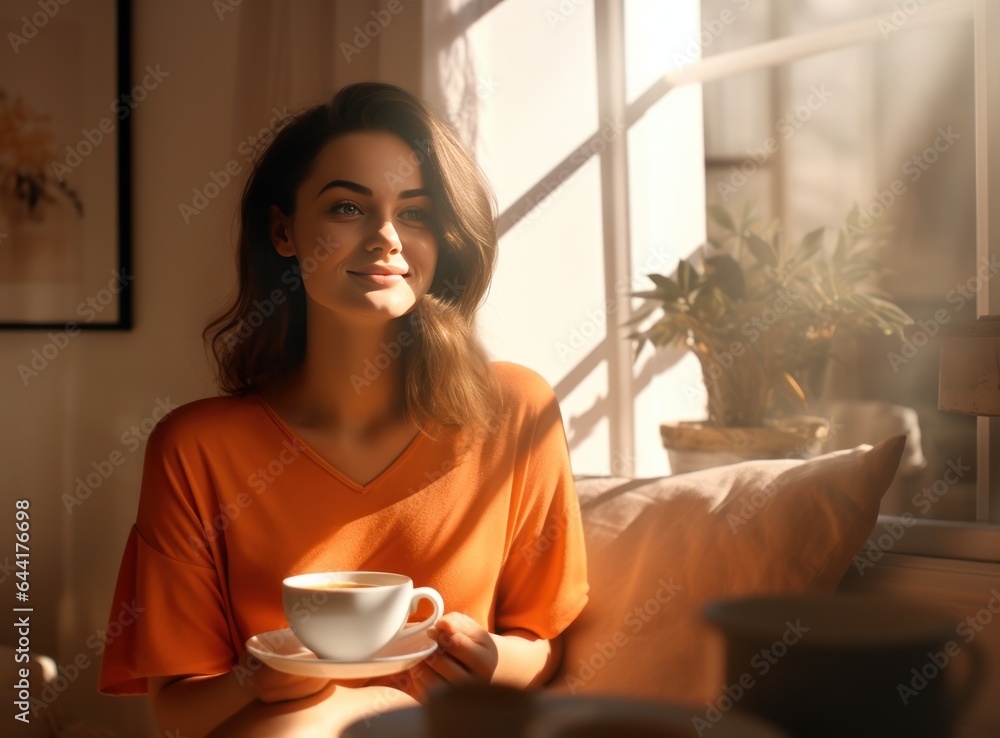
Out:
{"x": 363, "y": 229}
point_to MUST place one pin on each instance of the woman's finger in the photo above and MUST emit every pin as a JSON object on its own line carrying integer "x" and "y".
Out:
{"x": 449, "y": 667}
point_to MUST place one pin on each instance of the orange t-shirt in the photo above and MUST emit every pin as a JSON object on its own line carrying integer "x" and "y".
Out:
{"x": 233, "y": 501}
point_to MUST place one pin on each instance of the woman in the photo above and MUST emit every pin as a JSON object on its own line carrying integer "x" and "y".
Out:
{"x": 364, "y": 429}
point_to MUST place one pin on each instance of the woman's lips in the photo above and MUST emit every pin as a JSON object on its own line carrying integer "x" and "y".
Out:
{"x": 380, "y": 279}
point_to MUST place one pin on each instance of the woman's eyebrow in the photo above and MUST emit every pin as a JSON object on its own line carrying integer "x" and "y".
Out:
{"x": 407, "y": 194}
{"x": 362, "y": 190}
{"x": 347, "y": 185}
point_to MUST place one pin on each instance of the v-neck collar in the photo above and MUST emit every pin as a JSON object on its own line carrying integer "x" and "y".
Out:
{"x": 326, "y": 465}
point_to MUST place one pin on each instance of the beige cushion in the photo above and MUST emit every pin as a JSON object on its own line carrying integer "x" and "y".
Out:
{"x": 659, "y": 549}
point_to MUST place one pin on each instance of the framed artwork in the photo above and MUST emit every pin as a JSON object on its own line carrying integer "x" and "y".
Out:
{"x": 66, "y": 104}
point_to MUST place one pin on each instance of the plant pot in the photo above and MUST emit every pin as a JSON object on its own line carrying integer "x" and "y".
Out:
{"x": 694, "y": 445}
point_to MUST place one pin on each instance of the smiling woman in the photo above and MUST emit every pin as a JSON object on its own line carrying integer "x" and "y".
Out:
{"x": 365, "y": 429}
{"x": 366, "y": 224}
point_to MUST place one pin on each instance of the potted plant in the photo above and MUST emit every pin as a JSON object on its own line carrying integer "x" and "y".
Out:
{"x": 760, "y": 315}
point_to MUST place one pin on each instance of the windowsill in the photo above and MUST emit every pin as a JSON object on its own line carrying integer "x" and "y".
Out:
{"x": 938, "y": 539}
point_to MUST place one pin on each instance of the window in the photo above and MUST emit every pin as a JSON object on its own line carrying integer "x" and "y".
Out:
{"x": 606, "y": 128}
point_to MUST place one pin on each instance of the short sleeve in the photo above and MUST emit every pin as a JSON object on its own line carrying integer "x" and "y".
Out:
{"x": 168, "y": 615}
{"x": 543, "y": 585}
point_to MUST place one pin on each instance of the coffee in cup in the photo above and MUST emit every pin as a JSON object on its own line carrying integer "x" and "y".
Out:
{"x": 351, "y": 615}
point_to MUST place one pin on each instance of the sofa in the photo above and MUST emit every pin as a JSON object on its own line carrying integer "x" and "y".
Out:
{"x": 660, "y": 549}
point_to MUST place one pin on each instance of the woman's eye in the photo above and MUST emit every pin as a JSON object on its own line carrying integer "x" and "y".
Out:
{"x": 415, "y": 214}
{"x": 345, "y": 208}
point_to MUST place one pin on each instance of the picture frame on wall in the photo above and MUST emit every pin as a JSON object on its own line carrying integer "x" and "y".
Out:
{"x": 66, "y": 106}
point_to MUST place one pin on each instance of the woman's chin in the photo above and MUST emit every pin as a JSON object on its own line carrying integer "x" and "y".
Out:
{"x": 374, "y": 311}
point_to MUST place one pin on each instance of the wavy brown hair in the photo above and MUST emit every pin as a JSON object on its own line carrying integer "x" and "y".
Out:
{"x": 261, "y": 335}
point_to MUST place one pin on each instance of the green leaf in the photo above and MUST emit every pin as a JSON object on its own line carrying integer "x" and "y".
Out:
{"x": 641, "y": 314}
{"x": 811, "y": 243}
{"x": 724, "y": 272}
{"x": 668, "y": 288}
{"x": 722, "y": 217}
{"x": 713, "y": 303}
{"x": 687, "y": 277}
{"x": 762, "y": 251}
{"x": 843, "y": 244}
{"x": 638, "y": 349}
{"x": 665, "y": 334}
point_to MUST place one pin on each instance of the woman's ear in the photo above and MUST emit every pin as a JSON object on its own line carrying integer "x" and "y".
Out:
{"x": 279, "y": 228}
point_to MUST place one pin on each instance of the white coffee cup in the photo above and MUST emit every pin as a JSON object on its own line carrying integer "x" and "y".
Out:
{"x": 351, "y": 615}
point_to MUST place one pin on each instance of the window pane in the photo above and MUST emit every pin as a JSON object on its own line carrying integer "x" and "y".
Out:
{"x": 536, "y": 97}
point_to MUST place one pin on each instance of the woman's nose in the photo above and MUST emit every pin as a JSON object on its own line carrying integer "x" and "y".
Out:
{"x": 386, "y": 237}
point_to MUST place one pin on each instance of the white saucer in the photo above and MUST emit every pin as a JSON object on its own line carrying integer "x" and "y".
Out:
{"x": 281, "y": 650}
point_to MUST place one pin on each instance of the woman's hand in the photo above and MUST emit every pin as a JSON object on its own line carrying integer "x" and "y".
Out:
{"x": 466, "y": 651}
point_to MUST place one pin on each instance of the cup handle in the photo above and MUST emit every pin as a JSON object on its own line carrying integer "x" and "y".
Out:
{"x": 420, "y": 593}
